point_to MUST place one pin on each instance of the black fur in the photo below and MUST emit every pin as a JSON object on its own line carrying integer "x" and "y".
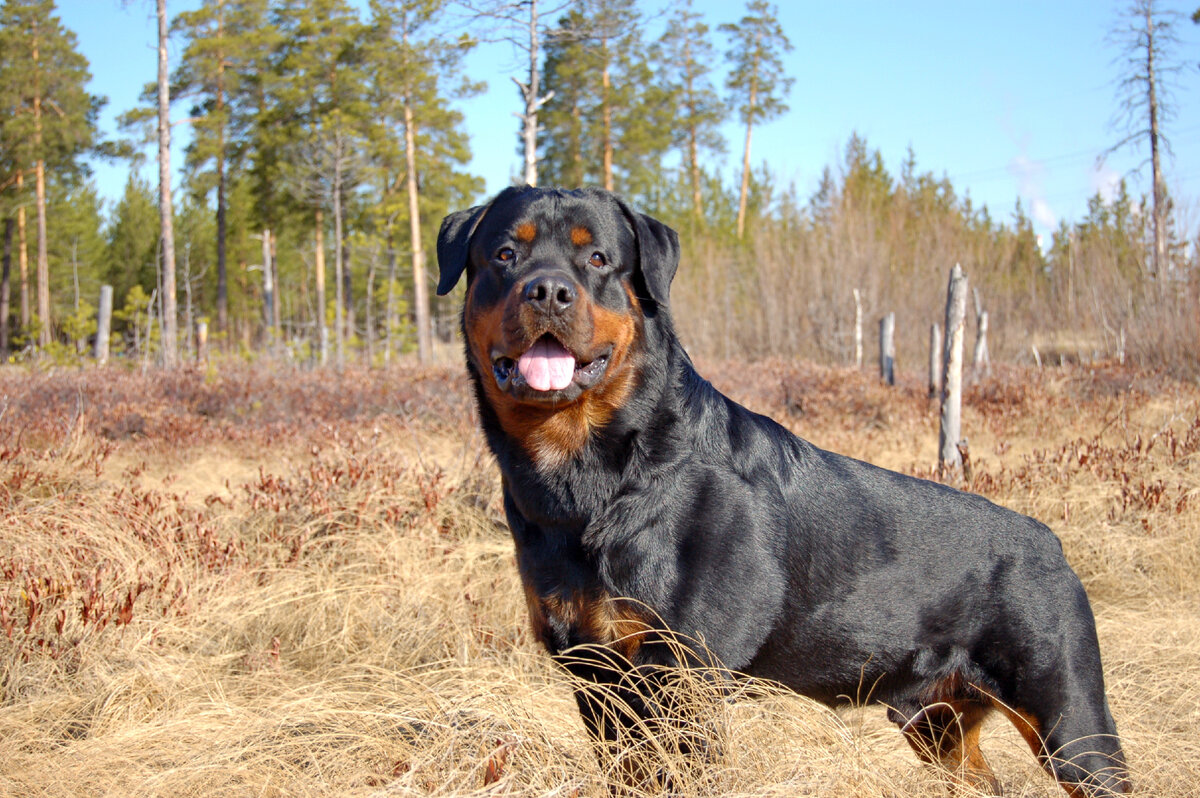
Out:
{"x": 841, "y": 580}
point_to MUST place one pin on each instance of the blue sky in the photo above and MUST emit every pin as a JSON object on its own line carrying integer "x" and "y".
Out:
{"x": 1009, "y": 99}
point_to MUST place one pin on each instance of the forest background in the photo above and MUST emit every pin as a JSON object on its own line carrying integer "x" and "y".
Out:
{"x": 337, "y": 132}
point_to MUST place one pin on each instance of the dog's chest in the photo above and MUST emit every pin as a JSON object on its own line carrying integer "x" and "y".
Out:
{"x": 564, "y": 619}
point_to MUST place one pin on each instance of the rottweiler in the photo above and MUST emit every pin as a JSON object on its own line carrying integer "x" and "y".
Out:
{"x": 646, "y": 505}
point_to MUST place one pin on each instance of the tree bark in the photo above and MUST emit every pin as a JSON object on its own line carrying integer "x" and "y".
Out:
{"x": 887, "y": 349}
{"x": 222, "y": 210}
{"x": 170, "y": 333}
{"x": 23, "y": 258}
{"x": 6, "y": 283}
{"x": 949, "y": 458}
{"x": 745, "y": 188}
{"x": 420, "y": 289}
{"x": 104, "y": 323}
{"x": 268, "y": 288}
{"x": 693, "y": 135}
{"x": 222, "y": 278}
{"x": 606, "y": 117}
{"x": 43, "y": 259}
{"x": 1160, "y": 244}
{"x": 319, "y": 268}
{"x": 858, "y": 340}
{"x": 533, "y": 103}
{"x": 389, "y": 320}
{"x": 338, "y": 267}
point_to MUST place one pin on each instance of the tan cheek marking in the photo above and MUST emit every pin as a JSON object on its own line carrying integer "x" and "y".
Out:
{"x": 581, "y": 236}
{"x": 526, "y": 232}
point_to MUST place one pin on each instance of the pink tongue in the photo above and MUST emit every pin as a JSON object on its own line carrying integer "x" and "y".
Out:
{"x": 547, "y": 366}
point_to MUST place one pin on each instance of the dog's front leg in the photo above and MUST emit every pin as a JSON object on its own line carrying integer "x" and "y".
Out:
{"x": 645, "y": 738}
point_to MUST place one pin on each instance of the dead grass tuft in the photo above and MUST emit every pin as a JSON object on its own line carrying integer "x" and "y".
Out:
{"x": 296, "y": 584}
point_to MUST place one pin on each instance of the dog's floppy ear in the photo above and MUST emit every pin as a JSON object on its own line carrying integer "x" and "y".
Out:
{"x": 454, "y": 239}
{"x": 453, "y": 245}
{"x": 658, "y": 253}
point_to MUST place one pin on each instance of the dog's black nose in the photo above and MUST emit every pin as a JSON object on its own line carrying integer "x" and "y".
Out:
{"x": 550, "y": 293}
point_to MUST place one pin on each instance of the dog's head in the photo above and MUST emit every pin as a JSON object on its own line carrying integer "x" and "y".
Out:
{"x": 559, "y": 285}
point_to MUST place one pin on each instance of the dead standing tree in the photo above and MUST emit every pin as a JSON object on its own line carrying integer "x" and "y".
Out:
{"x": 520, "y": 24}
{"x": 1146, "y": 36}
{"x": 949, "y": 456}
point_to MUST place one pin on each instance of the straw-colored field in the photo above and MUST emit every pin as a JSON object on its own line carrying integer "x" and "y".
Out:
{"x": 260, "y": 583}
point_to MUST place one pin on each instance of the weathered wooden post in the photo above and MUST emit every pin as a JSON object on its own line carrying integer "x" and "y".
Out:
{"x": 935, "y": 360}
{"x": 951, "y": 427}
{"x": 103, "y": 323}
{"x": 982, "y": 362}
{"x": 857, "y": 329}
{"x": 887, "y": 348}
{"x": 201, "y": 341}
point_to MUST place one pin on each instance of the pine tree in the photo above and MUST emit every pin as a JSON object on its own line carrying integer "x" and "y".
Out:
{"x": 607, "y": 120}
{"x": 132, "y": 240}
{"x": 314, "y": 123}
{"x": 50, "y": 118}
{"x": 756, "y": 79}
{"x": 413, "y": 74}
{"x": 215, "y": 70}
{"x": 77, "y": 249}
{"x": 570, "y": 72}
{"x": 686, "y": 57}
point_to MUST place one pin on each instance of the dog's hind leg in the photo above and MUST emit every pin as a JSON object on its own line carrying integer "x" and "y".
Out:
{"x": 947, "y": 734}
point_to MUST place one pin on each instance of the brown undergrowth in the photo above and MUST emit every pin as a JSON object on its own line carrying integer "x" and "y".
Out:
{"x": 273, "y": 582}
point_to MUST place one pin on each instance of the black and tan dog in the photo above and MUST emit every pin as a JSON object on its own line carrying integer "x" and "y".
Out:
{"x": 640, "y": 498}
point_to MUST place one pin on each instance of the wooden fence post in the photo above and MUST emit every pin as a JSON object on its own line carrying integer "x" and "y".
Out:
{"x": 949, "y": 457}
{"x": 857, "y": 329}
{"x": 935, "y": 360}
{"x": 887, "y": 348}
{"x": 103, "y": 323}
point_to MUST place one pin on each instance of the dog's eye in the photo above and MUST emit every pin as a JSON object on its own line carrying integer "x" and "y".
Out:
{"x": 597, "y": 260}
{"x": 506, "y": 255}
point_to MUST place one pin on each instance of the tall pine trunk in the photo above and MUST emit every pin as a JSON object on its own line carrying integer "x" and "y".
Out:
{"x": 170, "y": 334}
{"x": 23, "y": 257}
{"x": 745, "y": 189}
{"x": 606, "y": 115}
{"x": 420, "y": 290}
{"x": 319, "y": 259}
{"x": 5, "y": 282}
{"x": 390, "y": 306}
{"x": 338, "y": 267}
{"x": 693, "y": 135}
{"x": 43, "y": 260}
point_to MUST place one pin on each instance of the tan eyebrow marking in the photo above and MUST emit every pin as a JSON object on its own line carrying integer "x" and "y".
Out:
{"x": 526, "y": 232}
{"x": 581, "y": 236}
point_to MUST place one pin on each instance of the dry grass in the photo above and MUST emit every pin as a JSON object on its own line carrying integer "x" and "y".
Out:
{"x": 294, "y": 584}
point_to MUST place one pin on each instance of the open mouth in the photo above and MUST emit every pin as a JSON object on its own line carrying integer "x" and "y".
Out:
{"x": 548, "y": 370}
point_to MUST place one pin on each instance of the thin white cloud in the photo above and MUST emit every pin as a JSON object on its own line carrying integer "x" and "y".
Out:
{"x": 1105, "y": 179}
{"x": 1029, "y": 174}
